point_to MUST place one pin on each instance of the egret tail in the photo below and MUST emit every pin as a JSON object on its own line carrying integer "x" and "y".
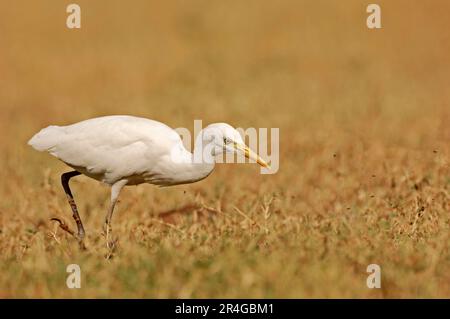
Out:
{"x": 46, "y": 138}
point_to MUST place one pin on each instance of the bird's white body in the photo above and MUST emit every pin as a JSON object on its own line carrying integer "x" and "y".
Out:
{"x": 114, "y": 148}
{"x": 126, "y": 150}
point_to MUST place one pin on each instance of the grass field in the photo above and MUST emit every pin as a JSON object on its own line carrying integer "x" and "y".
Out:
{"x": 364, "y": 148}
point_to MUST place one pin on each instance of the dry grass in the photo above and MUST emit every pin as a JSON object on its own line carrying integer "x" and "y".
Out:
{"x": 364, "y": 127}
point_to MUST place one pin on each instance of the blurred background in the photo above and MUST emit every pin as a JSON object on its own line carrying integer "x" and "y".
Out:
{"x": 364, "y": 132}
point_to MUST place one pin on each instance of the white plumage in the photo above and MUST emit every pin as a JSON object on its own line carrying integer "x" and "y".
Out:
{"x": 128, "y": 150}
{"x": 112, "y": 148}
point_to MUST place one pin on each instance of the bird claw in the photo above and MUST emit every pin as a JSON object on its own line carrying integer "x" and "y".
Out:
{"x": 66, "y": 228}
{"x": 111, "y": 243}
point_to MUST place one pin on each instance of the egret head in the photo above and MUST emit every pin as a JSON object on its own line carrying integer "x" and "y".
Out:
{"x": 222, "y": 138}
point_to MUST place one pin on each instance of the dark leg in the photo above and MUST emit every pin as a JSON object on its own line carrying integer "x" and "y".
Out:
{"x": 65, "y": 183}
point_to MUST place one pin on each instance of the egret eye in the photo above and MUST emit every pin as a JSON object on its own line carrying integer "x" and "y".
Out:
{"x": 226, "y": 140}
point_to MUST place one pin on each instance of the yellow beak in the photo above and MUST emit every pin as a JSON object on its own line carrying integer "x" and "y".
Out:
{"x": 248, "y": 153}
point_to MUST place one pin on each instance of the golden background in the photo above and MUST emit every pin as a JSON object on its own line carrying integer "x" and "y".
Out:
{"x": 364, "y": 144}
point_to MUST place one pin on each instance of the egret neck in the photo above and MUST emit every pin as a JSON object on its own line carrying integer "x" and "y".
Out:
{"x": 192, "y": 167}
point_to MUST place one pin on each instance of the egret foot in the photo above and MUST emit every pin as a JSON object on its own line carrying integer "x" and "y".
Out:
{"x": 111, "y": 242}
{"x": 79, "y": 237}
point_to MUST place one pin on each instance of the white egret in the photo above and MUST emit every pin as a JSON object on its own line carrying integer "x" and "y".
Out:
{"x": 128, "y": 150}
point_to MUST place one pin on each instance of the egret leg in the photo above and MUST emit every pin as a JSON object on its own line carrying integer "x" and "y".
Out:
{"x": 115, "y": 191}
{"x": 65, "y": 183}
